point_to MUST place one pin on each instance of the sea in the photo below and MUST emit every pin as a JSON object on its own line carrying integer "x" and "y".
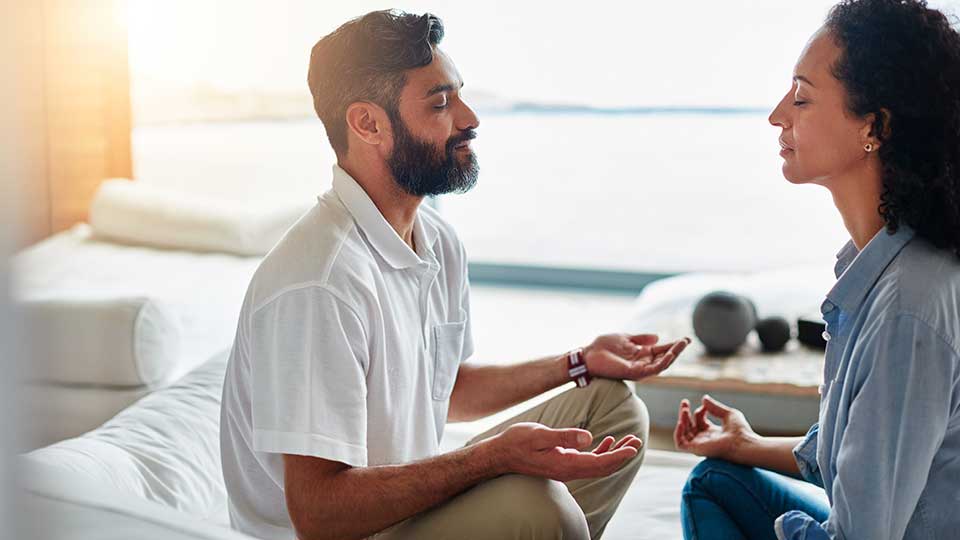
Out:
{"x": 638, "y": 190}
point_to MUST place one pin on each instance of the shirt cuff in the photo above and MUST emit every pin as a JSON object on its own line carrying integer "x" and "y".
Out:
{"x": 778, "y": 529}
{"x": 805, "y": 455}
{"x": 309, "y": 444}
{"x": 796, "y": 525}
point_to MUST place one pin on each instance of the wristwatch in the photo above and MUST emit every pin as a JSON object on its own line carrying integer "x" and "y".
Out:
{"x": 577, "y": 368}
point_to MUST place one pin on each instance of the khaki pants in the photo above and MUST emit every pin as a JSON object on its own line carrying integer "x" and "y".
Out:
{"x": 524, "y": 507}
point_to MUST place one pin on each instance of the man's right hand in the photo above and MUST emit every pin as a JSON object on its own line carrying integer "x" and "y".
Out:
{"x": 536, "y": 450}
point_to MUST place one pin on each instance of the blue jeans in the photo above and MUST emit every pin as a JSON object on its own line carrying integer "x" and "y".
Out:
{"x": 729, "y": 501}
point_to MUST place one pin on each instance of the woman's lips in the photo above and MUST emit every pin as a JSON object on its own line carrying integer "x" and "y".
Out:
{"x": 784, "y": 148}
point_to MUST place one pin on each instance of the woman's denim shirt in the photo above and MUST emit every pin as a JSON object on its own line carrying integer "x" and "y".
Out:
{"x": 887, "y": 445}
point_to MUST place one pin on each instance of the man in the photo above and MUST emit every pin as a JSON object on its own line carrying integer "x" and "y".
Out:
{"x": 349, "y": 355}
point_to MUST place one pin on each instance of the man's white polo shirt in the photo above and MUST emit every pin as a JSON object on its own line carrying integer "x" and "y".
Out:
{"x": 347, "y": 348}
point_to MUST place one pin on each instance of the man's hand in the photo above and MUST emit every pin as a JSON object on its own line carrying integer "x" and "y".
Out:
{"x": 630, "y": 357}
{"x": 536, "y": 450}
{"x": 696, "y": 434}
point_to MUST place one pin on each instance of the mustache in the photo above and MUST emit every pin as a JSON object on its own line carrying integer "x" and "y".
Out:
{"x": 467, "y": 135}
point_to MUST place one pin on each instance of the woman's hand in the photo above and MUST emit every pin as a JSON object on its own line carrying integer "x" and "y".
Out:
{"x": 695, "y": 433}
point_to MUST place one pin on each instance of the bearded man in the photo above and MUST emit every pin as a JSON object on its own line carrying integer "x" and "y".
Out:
{"x": 352, "y": 347}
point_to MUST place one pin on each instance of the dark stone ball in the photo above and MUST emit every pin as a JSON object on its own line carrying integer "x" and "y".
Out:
{"x": 774, "y": 333}
{"x": 753, "y": 308}
{"x": 722, "y": 321}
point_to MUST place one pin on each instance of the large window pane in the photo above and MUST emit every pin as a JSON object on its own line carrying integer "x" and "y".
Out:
{"x": 614, "y": 135}
{"x": 646, "y": 192}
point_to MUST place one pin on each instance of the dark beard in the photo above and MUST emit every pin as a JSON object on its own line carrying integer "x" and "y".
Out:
{"x": 421, "y": 170}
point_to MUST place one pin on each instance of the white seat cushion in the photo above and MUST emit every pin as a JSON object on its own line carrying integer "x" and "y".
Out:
{"x": 54, "y": 412}
{"x": 64, "y": 504}
{"x": 165, "y": 448}
{"x": 204, "y": 290}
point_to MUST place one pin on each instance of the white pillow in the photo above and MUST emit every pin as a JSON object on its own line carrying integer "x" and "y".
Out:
{"x": 107, "y": 342}
{"x": 137, "y": 213}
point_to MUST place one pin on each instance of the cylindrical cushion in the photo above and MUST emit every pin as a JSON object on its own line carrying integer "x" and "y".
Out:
{"x": 110, "y": 342}
{"x": 139, "y": 214}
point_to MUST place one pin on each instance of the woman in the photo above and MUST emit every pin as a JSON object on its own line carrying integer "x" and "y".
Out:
{"x": 873, "y": 115}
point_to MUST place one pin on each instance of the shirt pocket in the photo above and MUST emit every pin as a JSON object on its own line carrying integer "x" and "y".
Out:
{"x": 447, "y": 350}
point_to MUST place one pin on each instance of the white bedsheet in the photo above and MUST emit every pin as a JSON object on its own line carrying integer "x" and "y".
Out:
{"x": 55, "y": 412}
{"x": 164, "y": 449}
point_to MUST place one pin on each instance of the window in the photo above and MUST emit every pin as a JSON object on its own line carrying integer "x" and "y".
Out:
{"x": 618, "y": 136}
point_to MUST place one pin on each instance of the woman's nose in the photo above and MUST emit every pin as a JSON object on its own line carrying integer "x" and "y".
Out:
{"x": 778, "y": 116}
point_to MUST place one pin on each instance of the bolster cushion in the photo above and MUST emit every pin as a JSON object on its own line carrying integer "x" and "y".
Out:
{"x": 110, "y": 342}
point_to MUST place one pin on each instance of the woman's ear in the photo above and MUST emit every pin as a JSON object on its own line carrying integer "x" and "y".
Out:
{"x": 876, "y": 129}
{"x": 887, "y": 120}
{"x": 367, "y": 121}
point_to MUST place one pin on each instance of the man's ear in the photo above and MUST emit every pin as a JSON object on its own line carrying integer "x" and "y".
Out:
{"x": 368, "y": 122}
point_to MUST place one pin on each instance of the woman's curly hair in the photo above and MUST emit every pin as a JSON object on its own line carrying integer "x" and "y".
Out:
{"x": 901, "y": 62}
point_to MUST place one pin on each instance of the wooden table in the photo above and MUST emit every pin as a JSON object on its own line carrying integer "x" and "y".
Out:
{"x": 778, "y": 393}
{"x": 797, "y": 371}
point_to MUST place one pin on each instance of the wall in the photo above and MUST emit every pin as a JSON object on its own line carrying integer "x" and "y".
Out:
{"x": 16, "y": 151}
{"x": 73, "y": 90}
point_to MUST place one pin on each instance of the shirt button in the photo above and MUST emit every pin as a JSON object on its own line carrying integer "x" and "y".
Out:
{"x": 826, "y": 335}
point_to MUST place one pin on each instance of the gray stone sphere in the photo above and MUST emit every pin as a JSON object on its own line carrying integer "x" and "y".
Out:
{"x": 774, "y": 333}
{"x": 722, "y": 321}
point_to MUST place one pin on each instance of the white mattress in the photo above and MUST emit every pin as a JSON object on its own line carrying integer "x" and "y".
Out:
{"x": 83, "y": 512}
{"x": 57, "y": 412}
{"x": 204, "y": 290}
{"x": 164, "y": 449}
{"x": 150, "y": 473}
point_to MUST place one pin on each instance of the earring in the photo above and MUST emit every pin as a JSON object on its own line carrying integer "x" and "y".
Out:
{"x": 868, "y": 147}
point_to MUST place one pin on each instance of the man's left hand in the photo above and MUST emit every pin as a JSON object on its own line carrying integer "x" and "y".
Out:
{"x": 630, "y": 357}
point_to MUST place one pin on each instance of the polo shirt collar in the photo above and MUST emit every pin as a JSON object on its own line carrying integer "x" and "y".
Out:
{"x": 378, "y": 231}
{"x": 858, "y": 271}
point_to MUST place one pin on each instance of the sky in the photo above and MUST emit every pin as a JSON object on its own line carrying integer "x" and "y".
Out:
{"x": 602, "y": 53}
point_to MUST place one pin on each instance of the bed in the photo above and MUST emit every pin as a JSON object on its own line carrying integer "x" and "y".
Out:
{"x": 204, "y": 290}
{"x": 155, "y": 458}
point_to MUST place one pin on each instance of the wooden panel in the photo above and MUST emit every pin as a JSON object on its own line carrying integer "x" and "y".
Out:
{"x": 23, "y": 131}
{"x": 87, "y": 91}
{"x": 69, "y": 121}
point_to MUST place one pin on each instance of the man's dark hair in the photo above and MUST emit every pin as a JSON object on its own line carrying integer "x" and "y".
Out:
{"x": 903, "y": 58}
{"x": 366, "y": 60}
